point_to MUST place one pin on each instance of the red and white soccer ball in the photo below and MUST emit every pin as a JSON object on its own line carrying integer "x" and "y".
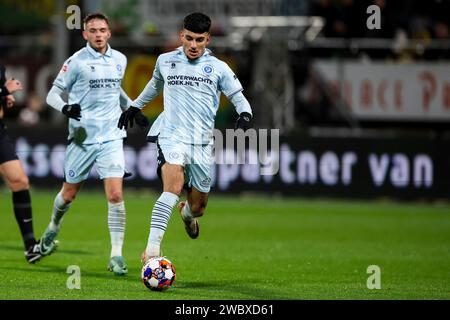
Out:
{"x": 158, "y": 274}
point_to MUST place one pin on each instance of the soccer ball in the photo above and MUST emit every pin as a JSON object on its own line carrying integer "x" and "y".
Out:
{"x": 158, "y": 274}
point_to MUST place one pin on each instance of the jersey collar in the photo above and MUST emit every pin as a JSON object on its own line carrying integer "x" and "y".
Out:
{"x": 97, "y": 54}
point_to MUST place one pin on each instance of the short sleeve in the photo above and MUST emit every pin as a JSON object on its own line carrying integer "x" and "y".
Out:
{"x": 67, "y": 76}
{"x": 229, "y": 84}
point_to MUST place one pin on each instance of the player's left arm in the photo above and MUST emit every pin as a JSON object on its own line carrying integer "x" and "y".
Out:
{"x": 124, "y": 101}
{"x": 242, "y": 106}
{"x": 230, "y": 85}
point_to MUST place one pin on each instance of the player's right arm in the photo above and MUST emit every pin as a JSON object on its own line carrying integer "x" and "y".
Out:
{"x": 64, "y": 82}
{"x": 151, "y": 91}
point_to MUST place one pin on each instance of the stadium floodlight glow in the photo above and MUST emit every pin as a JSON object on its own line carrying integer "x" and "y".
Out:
{"x": 277, "y": 21}
{"x": 312, "y": 33}
{"x": 298, "y": 24}
{"x": 257, "y": 33}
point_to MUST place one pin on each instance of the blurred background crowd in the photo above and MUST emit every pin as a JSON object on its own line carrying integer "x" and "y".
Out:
{"x": 34, "y": 34}
{"x": 313, "y": 68}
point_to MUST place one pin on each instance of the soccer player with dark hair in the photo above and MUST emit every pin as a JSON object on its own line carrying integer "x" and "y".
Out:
{"x": 13, "y": 173}
{"x": 192, "y": 80}
{"x": 92, "y": 77}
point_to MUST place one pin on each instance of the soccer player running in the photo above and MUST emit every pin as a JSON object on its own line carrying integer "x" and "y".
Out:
{"x": 192, "y": 80}
{"x": 13, "y": 173}
{"x": 92, "y": 77}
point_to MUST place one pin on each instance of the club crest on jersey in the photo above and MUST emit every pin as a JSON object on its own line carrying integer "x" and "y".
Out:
{"x": 92, "y": 68}
{"x": 119, "y": 67}
{"x": 206, "y": 182}
{"x": 174, "y": 155}
{"x": 173, "y": 65}
{"x": 207, "y": 69}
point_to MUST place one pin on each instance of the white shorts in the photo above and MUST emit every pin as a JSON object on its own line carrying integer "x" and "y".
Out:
{"x": 108, "y": 158}
{"x": 197, "y": 161}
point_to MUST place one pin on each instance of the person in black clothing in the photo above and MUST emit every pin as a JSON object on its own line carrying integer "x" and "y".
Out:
{"x": 13, "y": 173}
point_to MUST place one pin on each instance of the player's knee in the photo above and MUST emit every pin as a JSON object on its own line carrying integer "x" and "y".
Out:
{"x": 175, "y": 188}
{"x": 115, "y": 197}
{"x": 69, "y": 195}
{"x": 19, "y": 183}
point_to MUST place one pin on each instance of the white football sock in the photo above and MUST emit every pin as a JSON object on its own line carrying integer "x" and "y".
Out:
{"x": 186, "y": 212}
{"x": 116, "y": 225}
{"x": 160, "y": 218}
{"x": 59, "y": 209}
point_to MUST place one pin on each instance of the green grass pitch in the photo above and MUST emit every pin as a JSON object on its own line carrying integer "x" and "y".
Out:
{"x": 249, "y": 248}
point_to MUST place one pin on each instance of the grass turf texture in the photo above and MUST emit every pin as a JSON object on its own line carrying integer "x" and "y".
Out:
{"x": 249, "y": 248}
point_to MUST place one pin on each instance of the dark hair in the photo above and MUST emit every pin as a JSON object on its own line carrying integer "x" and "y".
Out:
{"x": 197, "y": 22}
{"x": 93, "y": 16}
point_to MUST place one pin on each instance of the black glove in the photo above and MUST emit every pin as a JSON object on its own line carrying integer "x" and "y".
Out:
{"x": 72, "y": 111}
{"x": 244, "y": 122}
{"x": 129, "y": 116}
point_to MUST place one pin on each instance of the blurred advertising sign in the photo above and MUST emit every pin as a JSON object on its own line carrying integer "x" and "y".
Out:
{"x": 318, "y": 166}
{"x": 392, "y": 92}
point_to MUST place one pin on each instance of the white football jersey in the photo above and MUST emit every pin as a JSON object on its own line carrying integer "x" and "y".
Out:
{"x": 192, "y": 92}
{"x": 93, "y": 80}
